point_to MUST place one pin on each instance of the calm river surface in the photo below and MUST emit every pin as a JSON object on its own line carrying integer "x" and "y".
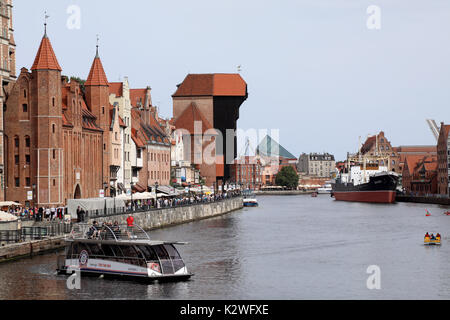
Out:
{"x": 291, "y": 247}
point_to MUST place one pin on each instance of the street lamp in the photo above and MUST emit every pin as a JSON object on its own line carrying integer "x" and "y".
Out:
{"x": 34, "y": 195}
{"x": 105, "y": 187}
{"x": 132, "y": 203}
{"x": 113, "y": 192}
{"x": 156, "y": 193}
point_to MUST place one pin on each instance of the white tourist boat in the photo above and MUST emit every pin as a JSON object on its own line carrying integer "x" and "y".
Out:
{"x": 121, "y": 251}
{"x": 325, "y": 189}
{"x": 250, "y": 199}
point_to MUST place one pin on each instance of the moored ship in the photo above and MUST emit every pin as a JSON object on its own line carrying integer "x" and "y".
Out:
{"x": 366, "y": 183}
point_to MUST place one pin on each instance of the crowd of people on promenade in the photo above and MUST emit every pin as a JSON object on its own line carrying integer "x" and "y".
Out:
{"x": 38, "y": 214}
{"x": 58, "y": 213}
{"x": 170, "y": 202}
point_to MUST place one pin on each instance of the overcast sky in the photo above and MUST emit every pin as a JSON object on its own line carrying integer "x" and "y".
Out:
{"x": 313, "y": 67}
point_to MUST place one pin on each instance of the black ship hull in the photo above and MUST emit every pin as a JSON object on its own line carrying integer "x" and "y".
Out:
{"x": 380, "y": 189}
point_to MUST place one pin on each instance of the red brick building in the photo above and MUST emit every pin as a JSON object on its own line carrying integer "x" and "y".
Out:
{"x": 420, "y": 174}
{"x": 214, "y": 100}
{"x": 443, "y": 156}
{"x": 378, "y": 149}
{"x": 247, "y": 172}
{"x": 54, "y": 133}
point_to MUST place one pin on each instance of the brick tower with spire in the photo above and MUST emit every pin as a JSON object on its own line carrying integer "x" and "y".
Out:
{"x": 33, "y": 133}
{"x": 46, "y": 124}
{"x": 97, "y": 98}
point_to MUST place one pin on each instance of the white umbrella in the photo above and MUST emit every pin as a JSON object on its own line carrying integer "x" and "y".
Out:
{"x": 123, "y": 196}
{"x": 4, "y": 216}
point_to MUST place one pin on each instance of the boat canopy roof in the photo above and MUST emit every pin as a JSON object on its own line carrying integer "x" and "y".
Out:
{"x": 113, "y": 234}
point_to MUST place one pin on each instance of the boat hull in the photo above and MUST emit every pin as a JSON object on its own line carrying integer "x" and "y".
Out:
{"x": 250, "y": 204}
{"x": 381, "y": 196}
{"x": 137, "y": 278}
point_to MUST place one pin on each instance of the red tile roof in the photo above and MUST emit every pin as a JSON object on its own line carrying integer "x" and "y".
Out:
{"x": 412, "y": 161}
{"x": 139, "y": 143}
{"x": 121, "y": 122}
{"x": 137, "y": 95}
{"x": 212, "y": 85}
{"x": 116, "y": 88}
{"x": 45, "y": 57}
{"x": 97, "y": 75}
{"x": 65, "y": 121}
{"x": 368, "y": 144}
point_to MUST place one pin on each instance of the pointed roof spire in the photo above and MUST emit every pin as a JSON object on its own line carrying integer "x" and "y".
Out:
{"x": 97, "y": 75}
{"x": 96, "y": 55}
{"x": 46, "y": 16}
{"x": 45, "y": 57}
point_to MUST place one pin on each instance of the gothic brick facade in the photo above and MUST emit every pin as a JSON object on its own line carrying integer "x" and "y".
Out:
{"x": 55, "y": 137}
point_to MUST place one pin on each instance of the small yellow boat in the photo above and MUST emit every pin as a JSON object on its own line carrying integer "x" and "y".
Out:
{"x": 429, "y": 242}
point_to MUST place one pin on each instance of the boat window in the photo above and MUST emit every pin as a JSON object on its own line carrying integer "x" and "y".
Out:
{"x": 173, "y": 253}
{"x": 129, "y": 252}
{"x": 117, "y": 251}
{"x": 149, "y": 253}
{"x": 69, "y": 250}
{"x": 161, "y": 252}
{"x": 96, "y": 249}
{"x": 107, "y": 250}
{"x": 78, "y": 247}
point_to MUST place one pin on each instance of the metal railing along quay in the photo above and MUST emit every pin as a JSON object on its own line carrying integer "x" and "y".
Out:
{"x": 35, "y": 233}
{"x": 93, "y": 214}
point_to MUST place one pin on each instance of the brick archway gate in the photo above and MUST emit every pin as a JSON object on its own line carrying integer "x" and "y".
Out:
{"x": 77, "y": 193}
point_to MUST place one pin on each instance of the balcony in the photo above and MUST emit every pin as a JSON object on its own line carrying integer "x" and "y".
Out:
{"x": 139, "y": 163}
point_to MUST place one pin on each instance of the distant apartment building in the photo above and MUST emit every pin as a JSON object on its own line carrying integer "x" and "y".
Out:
{"x": 443, "y": 156}
{"x": 318, "y": 165}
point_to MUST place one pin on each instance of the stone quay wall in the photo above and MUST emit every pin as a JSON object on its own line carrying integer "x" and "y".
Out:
{"x": 166, "y": 217}
{"x": 418, "y": 199}
{"x": 30, "y": 248}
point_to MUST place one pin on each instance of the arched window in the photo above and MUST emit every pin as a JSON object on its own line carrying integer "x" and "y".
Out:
{"x": 53, "y": 128}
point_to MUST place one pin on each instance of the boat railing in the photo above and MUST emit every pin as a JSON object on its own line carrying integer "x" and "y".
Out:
{"x": 108, "y": 232}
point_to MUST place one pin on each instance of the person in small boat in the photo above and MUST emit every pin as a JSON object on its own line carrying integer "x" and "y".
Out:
{"x": 432, "y": 237}
{"x": 438, "y": 236}
{"x": 427, "y": 235}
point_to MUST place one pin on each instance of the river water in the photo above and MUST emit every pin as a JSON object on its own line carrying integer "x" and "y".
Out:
{"x": 291, "y": 247}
